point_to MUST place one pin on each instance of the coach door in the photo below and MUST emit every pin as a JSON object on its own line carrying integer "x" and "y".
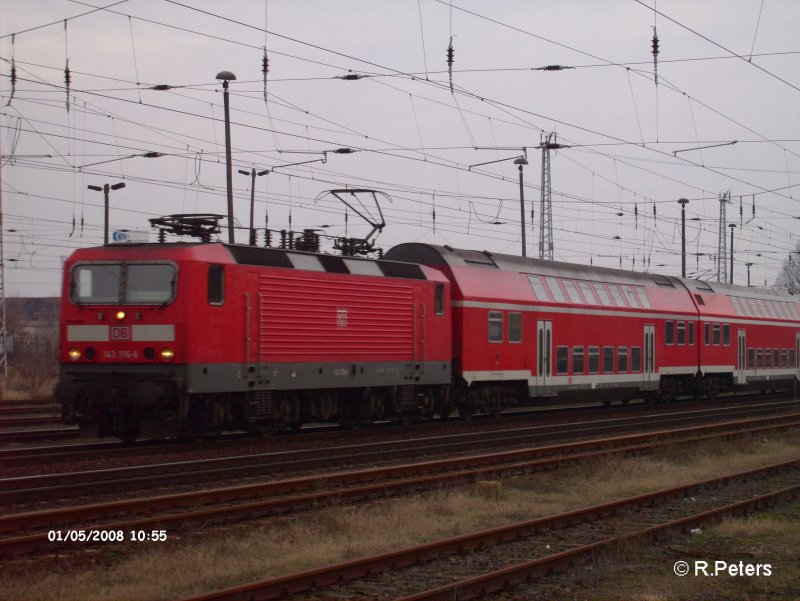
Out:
{"x": 544, "y": 345}
{"x": 650, "y": 381}
{"x": 797, "y": 356}
{"x": 741, "y": 365}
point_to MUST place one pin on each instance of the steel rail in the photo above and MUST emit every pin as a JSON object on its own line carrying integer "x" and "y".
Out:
{"x": 510, "y": 462}
{"x": 278, "y": 588}
{"x": 27, "y": 488}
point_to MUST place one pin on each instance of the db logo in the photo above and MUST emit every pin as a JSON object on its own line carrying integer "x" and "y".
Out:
{"x": 341, "y": 318}
{"x": 120, "y": 332}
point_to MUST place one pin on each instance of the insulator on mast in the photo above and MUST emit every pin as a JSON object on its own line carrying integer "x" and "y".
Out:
{"x": 450, "y": 61}
{"x": 265, "y": 70}
{"x": 655, "y": 55}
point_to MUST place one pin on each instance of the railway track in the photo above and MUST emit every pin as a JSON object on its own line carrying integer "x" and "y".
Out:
{"x": 66, "y": 486}
{"x": 25, "y": 531}
{"x": 56, "y": 433}
{"x": 473, "y": 565}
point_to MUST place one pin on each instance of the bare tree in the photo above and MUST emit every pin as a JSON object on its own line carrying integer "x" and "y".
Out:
{"x": 789, "y": 277}
{"x": 33, "y": 354}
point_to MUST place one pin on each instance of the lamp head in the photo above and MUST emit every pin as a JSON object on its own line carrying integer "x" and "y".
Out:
{"x": 226, "y": 76}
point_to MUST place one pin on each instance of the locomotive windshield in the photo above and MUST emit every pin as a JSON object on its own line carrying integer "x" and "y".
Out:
{"x": 123, "y": 283}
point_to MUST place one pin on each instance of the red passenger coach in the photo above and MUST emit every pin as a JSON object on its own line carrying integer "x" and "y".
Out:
{"x": 528, "y": 328}
{"x": 191, "y": 338}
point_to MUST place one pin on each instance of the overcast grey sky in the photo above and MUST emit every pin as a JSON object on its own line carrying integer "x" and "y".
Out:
{"x": 727, "y": 70}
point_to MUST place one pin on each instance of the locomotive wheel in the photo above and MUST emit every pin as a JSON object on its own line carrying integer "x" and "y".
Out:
{"x": 376, "y": 407}
{"x": 327, "y": 407}
{"x": 464, "y": 411}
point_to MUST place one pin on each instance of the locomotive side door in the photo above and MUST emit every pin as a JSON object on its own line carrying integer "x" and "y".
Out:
{"x": 650, "y": 381}
{"x": 544, "y": 345}
{"x": 741, "y": 365}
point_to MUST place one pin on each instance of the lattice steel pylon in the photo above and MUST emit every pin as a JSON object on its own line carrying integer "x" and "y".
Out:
{"x": 722, "y": 244}
{"x": 546, "y": 208}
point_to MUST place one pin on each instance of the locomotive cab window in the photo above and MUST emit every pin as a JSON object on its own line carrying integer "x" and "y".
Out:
{"x": 216, "y": 285}
{"x": 123, "y": 283}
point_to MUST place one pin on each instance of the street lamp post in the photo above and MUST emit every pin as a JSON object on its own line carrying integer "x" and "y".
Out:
{"x": 522, "y": 161}
{"x": 732, "y": 226}
{"x": 749, "y": 265}
{"x": 105, "y": 190}
{"x": 225, "y": 77}
{"x": 683, "y": 202}
{"x": 253, "y": 173}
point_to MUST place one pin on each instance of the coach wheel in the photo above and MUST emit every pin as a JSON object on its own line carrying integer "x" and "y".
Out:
{"x": 669, "y": 391}
{"x": 464, "y": 411}
{"x": 130, "y": 434}
{"x": 445, "y": 411}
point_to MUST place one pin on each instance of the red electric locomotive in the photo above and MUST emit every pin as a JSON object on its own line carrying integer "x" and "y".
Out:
{"x": 528, "y": 328}
{"x": 187, "y": 339}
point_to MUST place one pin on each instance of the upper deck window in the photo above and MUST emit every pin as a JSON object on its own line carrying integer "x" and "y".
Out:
{"x": 123, "y": 283}
{"x": 558, "y": 295}
{"x": 538, "y": 288}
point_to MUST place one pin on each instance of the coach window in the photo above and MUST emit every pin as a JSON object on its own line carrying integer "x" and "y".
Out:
{"x": 716, "y": 331}
{"x": 216, "y": 285}
{"x": 616, "y": 294}
{"x": 776, "y": 358}
{"x": 784, "y": 358}
{"x": 767, "y": 359}
{"x": 515, "y": 327}
{"x": 538, "y": 288}
{"x": 759, "y": 358}
{"x": 594, "y": 359}
{"x": 669, "y": 333}
{"x": 691, "y": 333}
{"x": 495, "y": 326}
{"x": 681, "y": 326}
{"x": 622, "y": 359}
{"x": 602, "y": 293}
{"x": 707, "y": 328}
{"x": 791, "y": 358}
{"x": 572, "y": 291}
{"x": 587, "y": 293}
{"x": 630, "y": 296}
{"x": 643, "y": 300}
{"x": 608, "y": 359}
{"x": 562, "y": 359}
{"x": 439, "y": 299}
{"x": 726, "y": 334}
{"x": 577, "y": 359}
{"x": 751, "y": 358}
{"x": 636, "y": 359}
{"x": 555, "y": 288}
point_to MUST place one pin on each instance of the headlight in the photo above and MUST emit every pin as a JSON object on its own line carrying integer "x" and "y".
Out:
{"x": 74, "y": 353}
{"x": 167, "y": 354}
{"x": 120, "y": 315}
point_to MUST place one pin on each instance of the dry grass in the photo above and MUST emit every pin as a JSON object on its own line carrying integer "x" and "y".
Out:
{"x": 218, "y": 558}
